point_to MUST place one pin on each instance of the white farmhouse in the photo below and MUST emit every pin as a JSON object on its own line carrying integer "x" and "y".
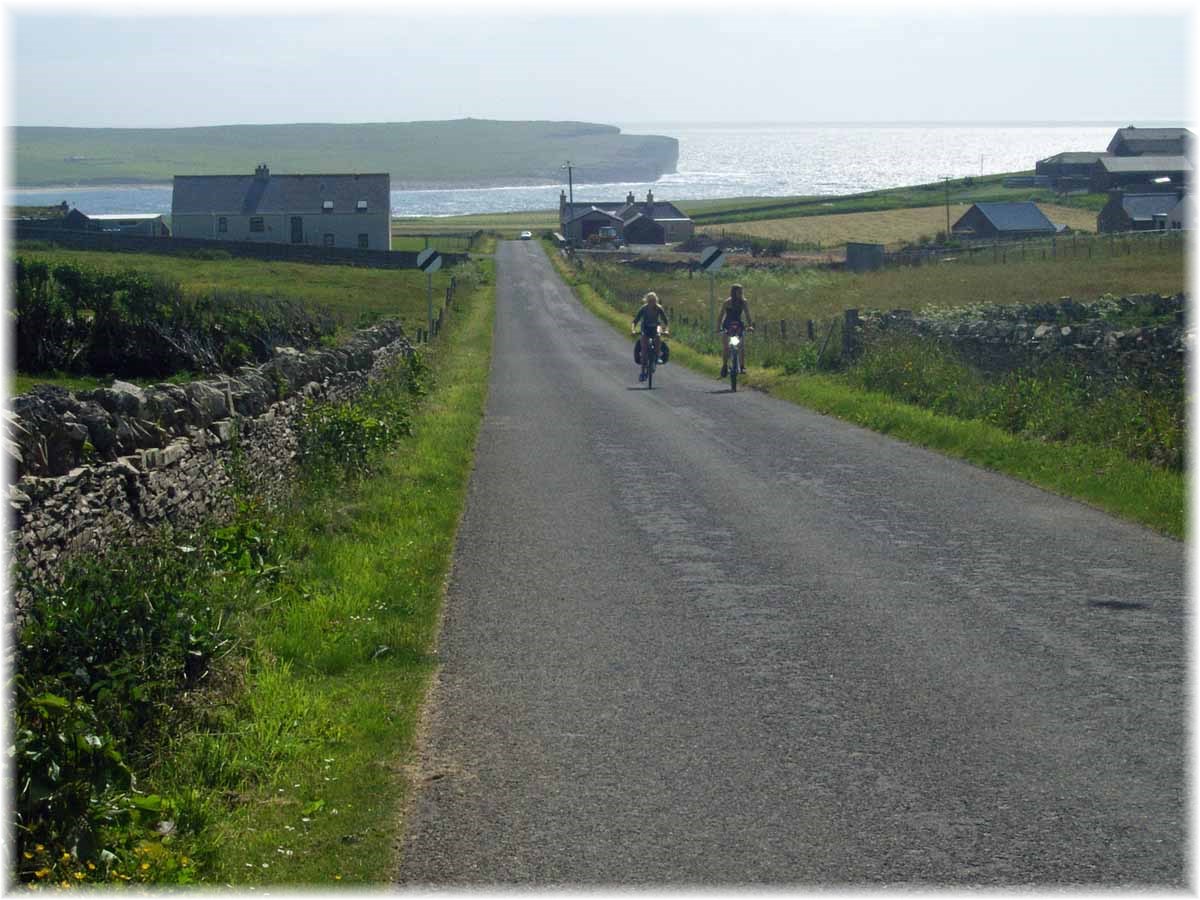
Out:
{"x": 321, "y": 210}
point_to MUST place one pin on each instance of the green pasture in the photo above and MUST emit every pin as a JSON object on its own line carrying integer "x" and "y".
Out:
{"x": 352, "y": 294}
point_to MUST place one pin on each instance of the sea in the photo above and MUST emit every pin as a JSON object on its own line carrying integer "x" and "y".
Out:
{"x": 719, "y": 161}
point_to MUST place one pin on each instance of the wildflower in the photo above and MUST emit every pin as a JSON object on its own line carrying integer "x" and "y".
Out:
{"x": 27, "y": 855}
{"x": 42, "y": 872}
{"x": 91, "y": 867}
{"x": 66, "y": 857}
{"x": 80, "y": 876}
{"x": 39, "y": 848}
{"x": 144, "y": 866}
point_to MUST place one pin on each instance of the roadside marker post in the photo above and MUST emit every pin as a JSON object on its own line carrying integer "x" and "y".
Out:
{"x": 711, "y": 259}
{"x": 429, "y": 261}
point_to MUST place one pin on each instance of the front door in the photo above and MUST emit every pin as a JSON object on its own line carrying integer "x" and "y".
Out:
{"x": 297, "y": 229}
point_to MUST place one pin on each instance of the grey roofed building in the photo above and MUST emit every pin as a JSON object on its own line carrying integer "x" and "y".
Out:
{"x": 580, "y": 219}
{"x": 1116, "y": 171}
{"x": 344, "y": 210}
{"x": 1134, "y": 141}
{"x": 1003, "y": 219}
{"x": 1136, "y": 212}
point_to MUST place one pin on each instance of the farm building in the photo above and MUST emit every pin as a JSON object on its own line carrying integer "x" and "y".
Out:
{"x": 147, "y": 224}
{"x": 1122, "y": 171}
{"x": 1069, "y": 170}
{"x": 1140, "y": 212}
{"x": 324, "y": 210}
{"x": 1002, "y": 220}
{"x": 648, "y": 222}
{"x": 1133, "y": 141}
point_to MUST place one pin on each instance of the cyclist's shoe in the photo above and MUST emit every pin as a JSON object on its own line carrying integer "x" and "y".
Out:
{"x": 641, "y": 376}
{"x": 724, "y": 371}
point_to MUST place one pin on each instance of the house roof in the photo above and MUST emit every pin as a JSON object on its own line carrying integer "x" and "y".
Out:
{"x": 581, "y": 213}
{"x": 1147, "y": 164}
{"x": 1072, "y": 157}
{"x": 1133, "y": 136}
{"x": 1014, "y": 216}
{"x": 656, "y": 210}
{"x": 254, "y": 194}
{"x": 1144, "y": 207}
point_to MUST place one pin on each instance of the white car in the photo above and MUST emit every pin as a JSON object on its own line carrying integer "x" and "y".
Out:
{"x": 527, "y": 235}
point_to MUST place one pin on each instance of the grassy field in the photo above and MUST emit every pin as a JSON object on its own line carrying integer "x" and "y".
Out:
{"x": 797, "y": 294}
{"x": 890, "y": 227}
{"x": 352, "y": 294}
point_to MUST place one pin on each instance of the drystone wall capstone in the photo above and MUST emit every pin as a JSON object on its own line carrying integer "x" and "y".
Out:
{"x": 998, "y": 339}
{"x": 90, "y": 469}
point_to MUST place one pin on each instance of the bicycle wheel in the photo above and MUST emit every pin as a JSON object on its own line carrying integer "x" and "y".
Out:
{"x": 735, "y": 363}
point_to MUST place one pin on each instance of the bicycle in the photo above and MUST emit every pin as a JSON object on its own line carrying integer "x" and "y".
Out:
{"x": 656, "y": 354}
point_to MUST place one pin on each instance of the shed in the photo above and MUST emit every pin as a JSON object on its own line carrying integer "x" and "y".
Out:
{"x": 862, "y": 257}
{"x": 147, "y": 224}
{"x": 1002, "y": 220}
{"x": 1136, "y": 212}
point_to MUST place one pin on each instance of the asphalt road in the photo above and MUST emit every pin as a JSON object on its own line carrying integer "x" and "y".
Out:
{"x": 702, "y": 638}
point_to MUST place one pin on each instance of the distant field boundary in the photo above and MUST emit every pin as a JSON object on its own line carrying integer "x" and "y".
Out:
{"x": 343, "y": 256}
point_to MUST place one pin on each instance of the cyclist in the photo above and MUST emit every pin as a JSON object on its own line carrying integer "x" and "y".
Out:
{"x": 734, "y": 309}
{"x": 651, "y": 315}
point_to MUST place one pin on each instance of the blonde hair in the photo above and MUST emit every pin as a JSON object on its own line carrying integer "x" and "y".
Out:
{"x": 646, "y": 299}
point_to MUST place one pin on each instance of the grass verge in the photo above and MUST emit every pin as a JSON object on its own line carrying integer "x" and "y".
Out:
{"x": 1136, "y": 491}
{"x": 318, "y": 724}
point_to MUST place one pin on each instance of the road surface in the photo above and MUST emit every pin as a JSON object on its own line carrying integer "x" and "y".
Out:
{"x": 699, "y": 638}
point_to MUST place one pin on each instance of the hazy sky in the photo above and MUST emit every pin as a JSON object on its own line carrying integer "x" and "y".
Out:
{"x": 133, "y": 66}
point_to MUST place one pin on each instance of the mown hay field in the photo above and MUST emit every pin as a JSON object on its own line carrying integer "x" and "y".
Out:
{"x": 891, "y": 227}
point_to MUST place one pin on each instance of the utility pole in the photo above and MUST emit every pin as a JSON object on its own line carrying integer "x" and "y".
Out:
{"x": 570, "y": 200}
{"x": 946, "y": 182}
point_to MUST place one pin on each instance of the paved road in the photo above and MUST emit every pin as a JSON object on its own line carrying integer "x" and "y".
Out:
{"x": 702, "y": 638}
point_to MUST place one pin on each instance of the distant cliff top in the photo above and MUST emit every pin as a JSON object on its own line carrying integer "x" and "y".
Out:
{"x": 458, "y": 153}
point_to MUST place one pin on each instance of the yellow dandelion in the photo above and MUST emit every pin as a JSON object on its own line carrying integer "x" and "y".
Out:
{"x": 66, "y": 857}
{"x": 42, "y": 873}
{"x": 144, "y": 866}
{"x": 92, "y": 866}
{"x": 27, "y": 855}
{"x": 184, "y": 861}
{"x": 39, "y": 848}
{"x": 80, "y": 876}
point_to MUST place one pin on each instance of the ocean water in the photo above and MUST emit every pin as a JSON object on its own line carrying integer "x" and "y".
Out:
{"x": 720, "y": 161}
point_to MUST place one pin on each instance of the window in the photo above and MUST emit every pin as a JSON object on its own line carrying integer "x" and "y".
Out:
{"x": 222, "y": 225}
{"x": 256, "y": 224}
{"x": 327, "y": 206}
{"x": 328, "y": 240}
{"x": 361, "y": 206}
{"x": 364, "y": 242}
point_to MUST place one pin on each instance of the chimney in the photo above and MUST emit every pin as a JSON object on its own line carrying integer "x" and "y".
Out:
{"x": 649, "y": 198}
{"x": 630, "y": 198}
{"x": 562, "y": 204}
{"x": 261, "y": 171}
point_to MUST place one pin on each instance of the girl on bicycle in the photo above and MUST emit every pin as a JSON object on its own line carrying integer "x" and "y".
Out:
{"x": 651, "y": 315}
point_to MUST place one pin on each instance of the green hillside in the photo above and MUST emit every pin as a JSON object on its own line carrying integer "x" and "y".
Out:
{"x": 459, "y": 153}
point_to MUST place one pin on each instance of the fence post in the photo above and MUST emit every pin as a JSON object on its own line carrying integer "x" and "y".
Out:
{"x": 811, "y": 333}
{"x": 783, "y": 329}
{"x": 849, "y": 330}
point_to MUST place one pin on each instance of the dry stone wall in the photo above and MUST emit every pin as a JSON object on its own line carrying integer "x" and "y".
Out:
{"x": 999, "y": 339}
{"x": 91, "y": 468}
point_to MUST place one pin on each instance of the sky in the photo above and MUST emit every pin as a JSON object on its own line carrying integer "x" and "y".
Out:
{"x": 172, "y": 64}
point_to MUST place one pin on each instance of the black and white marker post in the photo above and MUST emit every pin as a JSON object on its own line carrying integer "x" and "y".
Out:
{"x": 429, "y": 261}
{"x": 711, "y": 259}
